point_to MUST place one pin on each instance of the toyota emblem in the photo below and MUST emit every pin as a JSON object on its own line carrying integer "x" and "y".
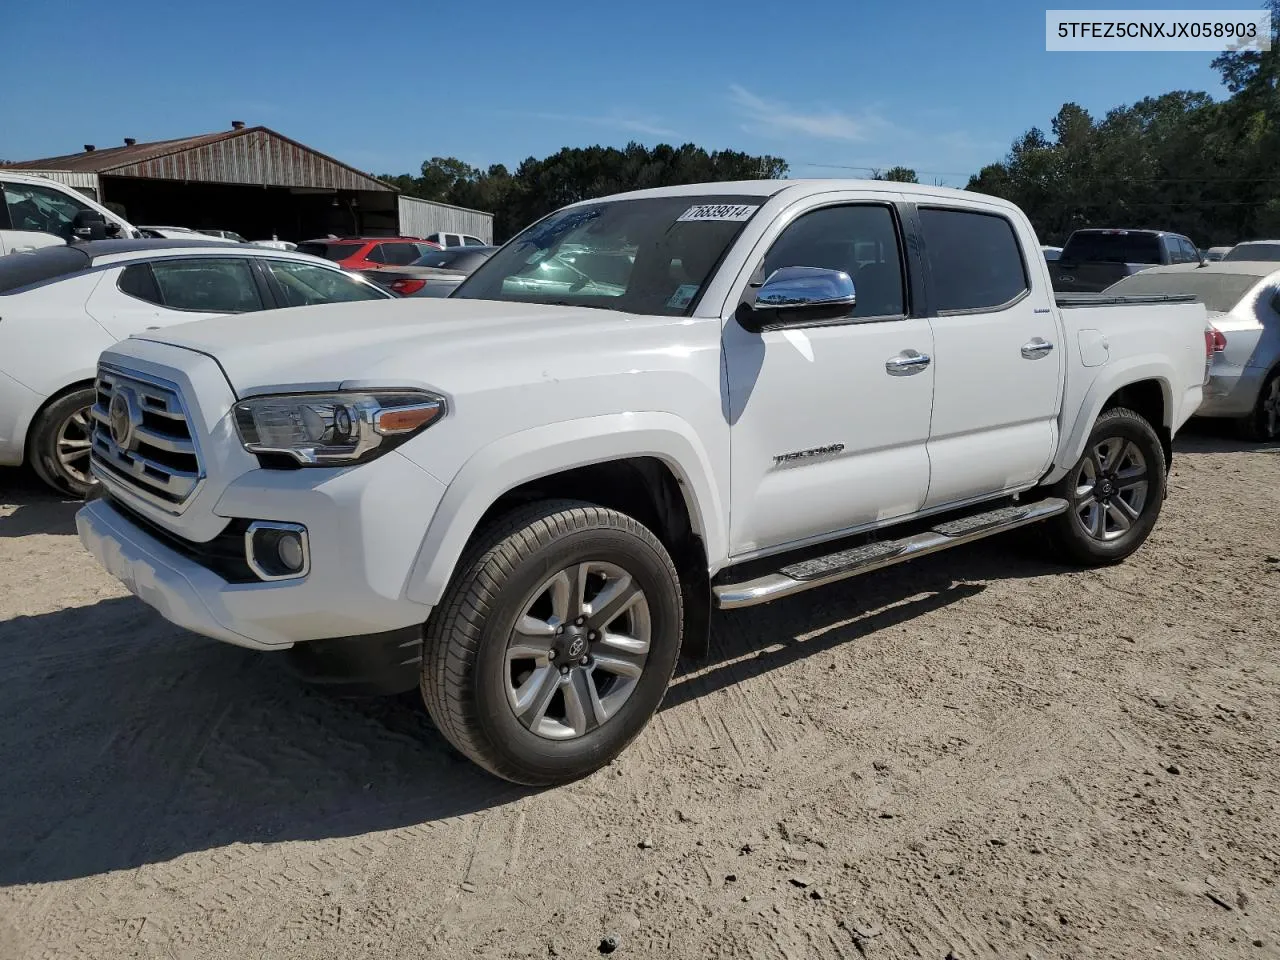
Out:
{"x": 578, "y": 647}
{"x": 122, "y": 415}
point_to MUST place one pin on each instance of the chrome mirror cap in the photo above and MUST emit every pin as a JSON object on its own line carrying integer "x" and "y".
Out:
{"x": 806, "y": 286}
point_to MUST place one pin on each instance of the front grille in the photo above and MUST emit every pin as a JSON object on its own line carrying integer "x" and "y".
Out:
{"x": 142, "y": 439}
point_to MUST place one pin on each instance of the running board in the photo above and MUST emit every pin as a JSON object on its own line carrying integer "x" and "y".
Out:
{"x": 820, "y": 571}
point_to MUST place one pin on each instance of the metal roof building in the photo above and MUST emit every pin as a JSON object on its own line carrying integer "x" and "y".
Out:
{"x": 249, "y": 179}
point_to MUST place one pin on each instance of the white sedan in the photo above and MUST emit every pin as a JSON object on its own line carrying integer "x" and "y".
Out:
{"x": 62, "y": 306}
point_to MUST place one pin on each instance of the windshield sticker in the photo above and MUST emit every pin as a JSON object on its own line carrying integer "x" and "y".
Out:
{"x": 683, "y": 296}
{"x": 718, "y": 211}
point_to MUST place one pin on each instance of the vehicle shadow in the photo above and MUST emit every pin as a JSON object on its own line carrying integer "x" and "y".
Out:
{"x": 1203, "y": 435}
{"x": 126, "y": 741}
{"x": 30, "y": 507}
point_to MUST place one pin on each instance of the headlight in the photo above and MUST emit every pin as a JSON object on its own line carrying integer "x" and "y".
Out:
{"x": 332, "y": 429}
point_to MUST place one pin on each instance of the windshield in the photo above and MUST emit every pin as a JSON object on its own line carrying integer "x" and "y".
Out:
{"x": 649, "y": 256}
{"x": 1112, "y": 248}
{"x": 1219, "y": 292}
{"x": 1255, "y": 251}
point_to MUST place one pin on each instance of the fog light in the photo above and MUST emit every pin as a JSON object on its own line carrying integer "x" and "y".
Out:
{"x": 289, "y": 550}
{"x": 277, "y": 551}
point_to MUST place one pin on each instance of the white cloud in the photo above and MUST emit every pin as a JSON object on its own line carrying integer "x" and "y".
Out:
{"x": 774, "y": 118}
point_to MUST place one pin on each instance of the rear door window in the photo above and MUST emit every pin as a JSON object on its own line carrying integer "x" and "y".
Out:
{"x": 975, "y": 262}
{"x": 208, "y": 285}
{"x": 452, "y": 240}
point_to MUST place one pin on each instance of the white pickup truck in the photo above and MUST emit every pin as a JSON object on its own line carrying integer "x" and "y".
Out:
{"x": 526, "y": 497}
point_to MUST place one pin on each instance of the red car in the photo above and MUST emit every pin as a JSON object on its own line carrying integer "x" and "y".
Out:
{"x": 368, "y": 253}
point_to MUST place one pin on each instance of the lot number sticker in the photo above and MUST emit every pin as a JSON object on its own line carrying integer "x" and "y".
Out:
{"x": 718, "y": 211}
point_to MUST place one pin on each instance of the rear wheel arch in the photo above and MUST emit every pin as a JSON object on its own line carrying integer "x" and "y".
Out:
{"x": 1152, "y": 400}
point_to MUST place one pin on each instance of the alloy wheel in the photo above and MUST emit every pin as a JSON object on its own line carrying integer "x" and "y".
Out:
{"x": 1110, "y": 489}
{"x": 72, "y": 445}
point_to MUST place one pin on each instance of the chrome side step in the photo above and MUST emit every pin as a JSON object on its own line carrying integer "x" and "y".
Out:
{"x": 820, "y": 571}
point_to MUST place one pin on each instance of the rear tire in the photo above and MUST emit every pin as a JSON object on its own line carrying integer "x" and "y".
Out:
{"x": 59, "y": 444}
{"x": 519, "y": 671}
{"x": 1263, "y": 423}
{"x": 1114, "y": 492}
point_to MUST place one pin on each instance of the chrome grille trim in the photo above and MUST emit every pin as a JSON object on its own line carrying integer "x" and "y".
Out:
{"x": 160, "y": 461}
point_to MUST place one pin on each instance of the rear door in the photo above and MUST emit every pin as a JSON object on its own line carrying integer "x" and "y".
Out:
{"x": 998, "y": 363}
{"x": 160, "y": 293}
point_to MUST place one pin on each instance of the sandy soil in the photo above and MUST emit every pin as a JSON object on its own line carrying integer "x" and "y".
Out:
{"x": 978, "y": 755}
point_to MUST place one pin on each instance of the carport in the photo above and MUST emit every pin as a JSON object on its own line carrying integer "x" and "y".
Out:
{"x": 248, "y": 179}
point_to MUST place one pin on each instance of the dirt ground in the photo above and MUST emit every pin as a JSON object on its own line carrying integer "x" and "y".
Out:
{"x": 975, "y": 755}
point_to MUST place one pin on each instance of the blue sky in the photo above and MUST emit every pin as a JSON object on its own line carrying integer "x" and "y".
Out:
{"x": 941, "y": 87}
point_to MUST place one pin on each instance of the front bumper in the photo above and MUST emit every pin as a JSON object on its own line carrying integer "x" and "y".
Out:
{"x": 365, "y": 526}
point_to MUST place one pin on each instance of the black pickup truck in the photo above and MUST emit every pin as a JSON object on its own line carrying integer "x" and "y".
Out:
{"x": 1093, "y": 260}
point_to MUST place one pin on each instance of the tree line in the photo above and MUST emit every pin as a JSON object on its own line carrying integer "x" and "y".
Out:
{"x": 1181, "y": 161}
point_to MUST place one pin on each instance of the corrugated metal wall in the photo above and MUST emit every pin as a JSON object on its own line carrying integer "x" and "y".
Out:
{"x": 256, "y": 157}
{"x": 418, "y": 218}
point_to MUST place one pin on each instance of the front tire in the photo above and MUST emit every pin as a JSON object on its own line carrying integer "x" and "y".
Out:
{"x": 60, "y": 442}
{"x": 1114, "y": 492}
{"x": 554, "y": 642}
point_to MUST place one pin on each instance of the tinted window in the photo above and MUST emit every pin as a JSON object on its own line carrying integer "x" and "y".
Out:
{"x": 1112, "y": 248}
{"x": 399, "y": 254}
{"x": 861, "y": 240}
{"x": 1189, "y": 251}
{"x": 137, "y": 280}
{"x": 1254, "y": 251}
{"x": 304, "y": 284}
{"x": 207, "y": 285}
{"x": 464, "y": 260}
{"x": 435, "y": 238}
{"x": 330, "y": 251}
{"x": 452, "y": 240}
{"x": 974, "y": 259}
{"x": 41, "y": 209}
{"x": 473, "y": 241}
{"x": 655, "y": 253}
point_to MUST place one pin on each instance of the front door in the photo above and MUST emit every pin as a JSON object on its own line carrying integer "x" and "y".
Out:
{"x": 998, "y": 363}
{"x": 829, "y": 422}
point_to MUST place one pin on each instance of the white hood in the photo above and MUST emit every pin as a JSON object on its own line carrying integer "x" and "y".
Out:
{"x": 407, "y": 342}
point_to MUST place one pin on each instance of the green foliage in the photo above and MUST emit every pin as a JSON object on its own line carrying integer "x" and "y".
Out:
{"x": 575, "y": 173}
{"x": 1181, "y": 161}
{"x": 896, "y": 174}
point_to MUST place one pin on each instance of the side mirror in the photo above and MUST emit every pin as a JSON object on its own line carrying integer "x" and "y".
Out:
{"x": 89, "y": 225}
{"x": 799, "y": 295}
{"x": 112, "y": 229}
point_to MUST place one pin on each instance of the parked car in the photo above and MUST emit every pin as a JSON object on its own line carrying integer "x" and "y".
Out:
{"x": 1214, "y": 254}
{"x": 455, "y": 240}
{"x": 39, "y": 212}
{"x": 1051, "y": 253}
{"x": 177, "y": 233}
{"x": 368, "y": 253}
{"x": 276, "y": 244}
{"x": 224, "y": 235}
{"x": 524, "y": 502}
{"x": 435, "y": 274}
{"x": 1093, "y": 260}
{"x": 1243, "y": 300}
{"x": 62, "y": 306}
{"x": 1256, "y": 250}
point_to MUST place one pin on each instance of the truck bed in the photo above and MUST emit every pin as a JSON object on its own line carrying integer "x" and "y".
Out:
{"x": 1069, "y": 300}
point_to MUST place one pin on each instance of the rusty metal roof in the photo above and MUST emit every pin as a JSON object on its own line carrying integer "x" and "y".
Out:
{"x": 255, "y": 155}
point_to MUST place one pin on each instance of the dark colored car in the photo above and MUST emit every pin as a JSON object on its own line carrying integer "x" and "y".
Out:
{"x": 368, "y": 253}
{"x": 436, "y": 274}
{"x": 1093, "y": 260}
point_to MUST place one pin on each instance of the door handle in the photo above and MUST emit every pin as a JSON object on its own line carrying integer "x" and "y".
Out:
{"x": 1037, "y": 348}
{"x": 906, "y": 363}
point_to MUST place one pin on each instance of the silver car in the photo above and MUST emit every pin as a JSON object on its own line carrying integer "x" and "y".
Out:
{"x": 1243, "y": 299}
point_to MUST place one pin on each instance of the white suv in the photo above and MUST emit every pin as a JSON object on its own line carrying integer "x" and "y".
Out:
{"x": 39, "y": 212}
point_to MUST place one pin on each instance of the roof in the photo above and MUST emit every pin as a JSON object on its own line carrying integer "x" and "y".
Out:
{"x": 1249, "y": 243}
{"x": 256, "y": 155}
{"x": 1142, "y": 230}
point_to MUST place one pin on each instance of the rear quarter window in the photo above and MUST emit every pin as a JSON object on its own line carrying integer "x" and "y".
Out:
{"x": 975, "y": 262}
